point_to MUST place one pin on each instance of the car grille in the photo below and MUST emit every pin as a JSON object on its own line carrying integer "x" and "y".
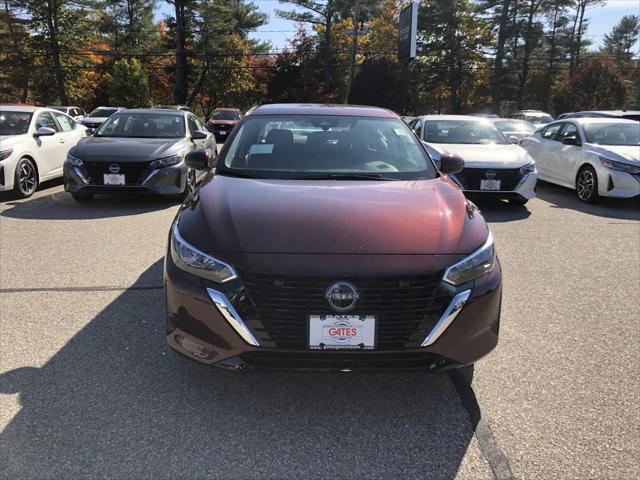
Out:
{"x": 469, "y": 178}
{"x": 406, "y": 308}
{"x": 134, "y": 172}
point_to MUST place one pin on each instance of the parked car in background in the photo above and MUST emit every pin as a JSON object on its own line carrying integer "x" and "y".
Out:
{"x": 33, "y": 146}
{"x": 222, "y": 122}
{"x": 172, "y": 107}
{"x": 99, "y": 115}
{"x": 484, "y": 115}
{"x": 407, "y": 119}
{"x": 138, "y": 151}
{"x": 626, "y": 114}
{"x": 537, "y": 117}
{"x": 493, "y": 166}
{"x": 328, "y": 240}
{"x": 76, "y": 113}
{"x": 597, "y": 157}
{"x": 514, "y": 130}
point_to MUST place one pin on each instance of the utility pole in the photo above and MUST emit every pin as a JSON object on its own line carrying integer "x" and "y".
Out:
{"x": 354, "y": 47}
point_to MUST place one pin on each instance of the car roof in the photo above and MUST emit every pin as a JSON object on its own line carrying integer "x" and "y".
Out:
{"x": 226, "y": 109}
{"x": 321, "y": 109}
{"x": 455, "y": 117}
{"x": 155, "y": 111}
{"x": 19, "y": 108}
{"x": 583, "y": 120}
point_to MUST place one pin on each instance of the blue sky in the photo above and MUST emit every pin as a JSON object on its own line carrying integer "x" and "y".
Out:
{"x": 601, "y": 18}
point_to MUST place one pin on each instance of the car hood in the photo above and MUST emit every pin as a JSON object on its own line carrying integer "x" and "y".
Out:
{"x": 8, "y": 141}
{"x": 130, "y": 149}
{"x": 94, "y": 119}
{"x": 489, "y": 156}
{"x": 235, "y": 215}
{"x": 616, "y": 152}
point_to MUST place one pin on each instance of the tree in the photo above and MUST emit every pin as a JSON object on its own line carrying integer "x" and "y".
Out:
{"x": 622, "y": 38}
{"x": 129, "y": 84}
{"x": 595, "y": 85}
{"x": 13, "y": 31}
{"x": 501, "y": 17}
{"x": 377, "y": 84}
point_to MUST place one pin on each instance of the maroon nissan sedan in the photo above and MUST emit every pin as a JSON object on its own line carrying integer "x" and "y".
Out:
{"x": 327, "y": 239}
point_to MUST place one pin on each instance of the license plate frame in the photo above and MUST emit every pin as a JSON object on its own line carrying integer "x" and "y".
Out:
{"x": 114, "y": 179}
{"x": 319, "y": 336}
{"x": 490, "y": 185}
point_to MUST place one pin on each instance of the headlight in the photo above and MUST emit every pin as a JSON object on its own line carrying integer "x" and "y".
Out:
{"x": 167, "y": 162}
{"x": 478, "y": 263}
{"x": 623, "y": 167}
{"x": 75, "y": 161}
{"x": 528, "y": 168}
{"x": 190, "y": 259}
{"x": 5, "y": 153}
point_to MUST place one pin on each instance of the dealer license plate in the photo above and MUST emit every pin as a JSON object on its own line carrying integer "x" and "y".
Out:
{"x": 113, "y": 179}
{"x": 490, "y": 184}
{"x": 342, "y": 332}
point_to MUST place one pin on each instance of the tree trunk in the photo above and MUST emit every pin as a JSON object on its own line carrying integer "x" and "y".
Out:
{"x": 54, "y": 46}
{"x": 328, "y": 54}
{"x": 496, "y": 88}
{"x": 583, "y": 7}
{"x": 180, "y": 90}
{"x": 524, "y": 74}
{"x": 454, "y": 73}
{"x": 572, "y": 47}
{"x": 552, "y": 56}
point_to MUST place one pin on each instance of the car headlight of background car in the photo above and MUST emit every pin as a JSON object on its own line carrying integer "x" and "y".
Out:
{"x": 623, "y": 167}
{"x": 168, "y": 161}
{"x": 75, "y": 161}
{"x": 475, "y": 265}
{"x": 528, "y": 168}
{"x": 190, "y": 259}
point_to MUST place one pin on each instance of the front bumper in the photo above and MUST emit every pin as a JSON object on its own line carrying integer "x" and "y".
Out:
{"x": 197, "y": 328}
{"x": 163, "y": 181}
{"x": 614, "y": 183}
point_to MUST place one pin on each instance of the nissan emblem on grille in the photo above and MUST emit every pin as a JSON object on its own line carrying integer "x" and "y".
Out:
{"x": 114, "y": 168}
{"x": 490, "y": 174}
{"x": 342, "y": 296}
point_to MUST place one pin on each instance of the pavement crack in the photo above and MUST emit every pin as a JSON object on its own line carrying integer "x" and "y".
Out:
{"x": 487, "y": 443}
{"x": 79, "y": 289}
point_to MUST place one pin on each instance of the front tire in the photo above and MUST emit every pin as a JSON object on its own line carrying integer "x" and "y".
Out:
{"x": 25, "y": 180}
{"x": 587, "y": 185}
{"x": 82, "y": 197}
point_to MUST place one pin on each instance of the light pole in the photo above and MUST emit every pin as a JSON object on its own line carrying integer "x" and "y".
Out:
{"x": 354, "y": 47}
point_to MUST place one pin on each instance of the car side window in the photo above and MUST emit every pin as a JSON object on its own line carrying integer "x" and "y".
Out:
{"x": 66, "y": 123}
{"x": 45, "y": 119}
{"x": 569, "y": 130}
{"x": 550, "y": 132}
{"x": 417, "y": 127}
{"x": 193, "y": 125}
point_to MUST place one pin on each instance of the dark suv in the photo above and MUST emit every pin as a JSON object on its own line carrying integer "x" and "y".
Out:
{"x": 328, "y": 240}
{"x": 222, "y": 122}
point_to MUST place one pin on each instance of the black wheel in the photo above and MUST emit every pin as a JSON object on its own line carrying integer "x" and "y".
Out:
{"x": 519, "y": 201}
{"x": 26, "y": 178}
{"x": 587, "y": 185}
{"x": 82, "y": 197}
{"x": 190, "y": 187}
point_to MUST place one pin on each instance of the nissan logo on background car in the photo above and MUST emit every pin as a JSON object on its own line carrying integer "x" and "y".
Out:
{"x": 342, "y": 296}
{"x": 114, "y": 168}
{"x": 490, "y": 174}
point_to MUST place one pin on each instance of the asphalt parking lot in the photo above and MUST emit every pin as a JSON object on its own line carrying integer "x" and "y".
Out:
{"x": 88, "y": 387}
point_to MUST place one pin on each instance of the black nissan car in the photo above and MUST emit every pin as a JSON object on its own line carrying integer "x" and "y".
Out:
{"x": 138, "y": 151}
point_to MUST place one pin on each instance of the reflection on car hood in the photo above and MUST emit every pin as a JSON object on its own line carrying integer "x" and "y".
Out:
{"x": 490, "y": 156}
{"x": 222, "y": 122}
{"x": 236, "y": 215}
{"x": 129, "y": 149}
{"x": 615, "y": 152}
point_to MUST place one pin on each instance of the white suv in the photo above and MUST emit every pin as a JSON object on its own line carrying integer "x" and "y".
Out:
{"x": 34, "y": 143}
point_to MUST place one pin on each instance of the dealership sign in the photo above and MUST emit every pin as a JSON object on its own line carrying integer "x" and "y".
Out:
{"x": 408, "y": 29}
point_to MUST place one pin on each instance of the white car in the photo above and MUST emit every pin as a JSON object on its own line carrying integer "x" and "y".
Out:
{"x": 514, "y": 130}
{"x": 492, "y": 165}
{"x": 537, "y": 117}
{"x": 77, "y": 113}
{"x": 98, "y": 116}
{"x": 595, "y": 156}
{"x": 33, "y": 146}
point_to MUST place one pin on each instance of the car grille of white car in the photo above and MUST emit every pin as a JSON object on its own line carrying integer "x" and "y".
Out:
{"x": 470, "y": 178}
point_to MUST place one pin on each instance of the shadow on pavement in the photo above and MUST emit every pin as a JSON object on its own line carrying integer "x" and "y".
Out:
{"x": 116, "y": 402}
{"x": 59, "y": 205}
{"x": 500, "y": 210}
{"x": 561, "y": 197}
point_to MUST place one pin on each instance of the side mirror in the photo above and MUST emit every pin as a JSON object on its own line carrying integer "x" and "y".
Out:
{"x": 197, "y": 160}
{"x": 451, "y": 163}
{"x": 198, "y": 135}
{"x": 45, "y": 132}
{"x": 570, "y": 140}
{"x": 513, "y": 139}
{"x": 89, "y": 131}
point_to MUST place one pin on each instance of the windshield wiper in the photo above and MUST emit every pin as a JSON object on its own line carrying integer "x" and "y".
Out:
{"x": 342, "y": 176}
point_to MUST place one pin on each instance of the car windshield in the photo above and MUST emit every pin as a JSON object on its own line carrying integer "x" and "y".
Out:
{"x": 225, "y": 115}
{"x": 612, "y": 133}
{"x": 475, "y": 132}
{"x": 325, "y": 147}
{"x": 14, "y": 123}
{"x": 103, "y": 112}
{"x": 515, "y": 126}
{"x": 539, "y": 118}
{"x": 143, "y": 125}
